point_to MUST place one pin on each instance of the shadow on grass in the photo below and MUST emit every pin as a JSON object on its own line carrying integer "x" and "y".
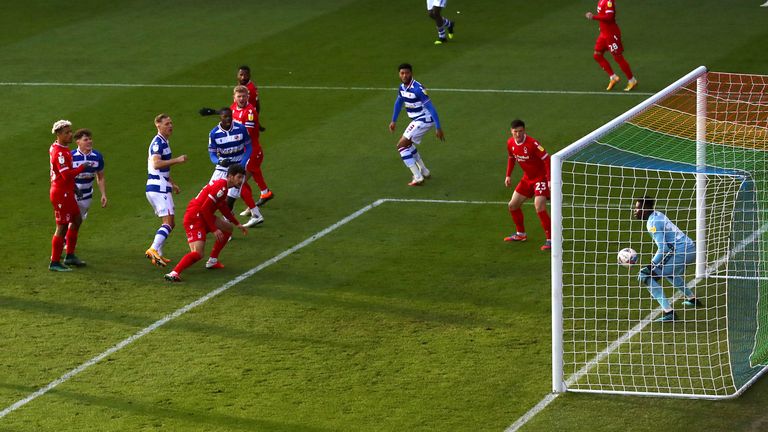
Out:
{"x": 155, "y": 413}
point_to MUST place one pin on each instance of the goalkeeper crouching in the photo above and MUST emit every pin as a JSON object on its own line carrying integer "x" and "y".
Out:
{"x": 675, "y": 251}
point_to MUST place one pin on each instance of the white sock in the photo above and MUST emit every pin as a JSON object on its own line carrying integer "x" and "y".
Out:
{"x": 255, "y": 212}
{"x": 416, "y": 171}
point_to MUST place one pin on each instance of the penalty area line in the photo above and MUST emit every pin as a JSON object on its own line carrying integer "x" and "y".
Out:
{"x": 184, "y": 309}
{"x": 322, "y": 88}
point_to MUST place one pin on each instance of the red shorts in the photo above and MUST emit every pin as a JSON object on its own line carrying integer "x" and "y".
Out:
{"x": 254, "y": 162}
{"x": 194, "y": 226}
{"x": 530, "y": 188}
{"x": 611, "y": 43}
{"x": 65, "y": 207}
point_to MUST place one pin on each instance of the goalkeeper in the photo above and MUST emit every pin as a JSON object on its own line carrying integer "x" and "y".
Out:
{"x": 675, "y": 251}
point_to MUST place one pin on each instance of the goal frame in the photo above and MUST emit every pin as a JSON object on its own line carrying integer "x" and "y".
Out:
{"x": 699, "y": 75}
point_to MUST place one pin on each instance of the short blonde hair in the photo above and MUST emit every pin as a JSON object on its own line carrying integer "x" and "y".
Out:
{"x": 160, "y": 117}
{"x": 59, "y": 125}
{"x": 241, "y": 89}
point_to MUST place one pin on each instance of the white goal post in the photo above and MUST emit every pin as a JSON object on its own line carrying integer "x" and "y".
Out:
{"x": 700, "y": 149}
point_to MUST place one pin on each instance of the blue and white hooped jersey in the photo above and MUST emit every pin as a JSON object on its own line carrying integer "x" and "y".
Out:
{"x": 84, "y": 180}
{"x": 414, "y": 97}
{"x": 233, "y": 144}
{"x": 667, "y": 236}
{"x": 157, "y": 179}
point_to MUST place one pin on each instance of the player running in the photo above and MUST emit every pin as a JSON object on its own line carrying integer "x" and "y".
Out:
{"x": 62, "y": 195}
{"x": 160, "y": 186}
{"x": 610, "y": 39}
{"x": 200, "y": 219}
{"x": 444, "y": 25}
{"x": 534, "y": 161}
{"x": 419, "y": 108}
{"x": 675, "y": 251}
{"x": 95, "y": 171}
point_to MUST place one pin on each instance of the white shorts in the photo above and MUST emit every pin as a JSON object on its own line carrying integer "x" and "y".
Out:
{"x": 416, "y": 130}
{"x": 233, "y": 192}
{"x": 84, "y": 206}
{"x": 436, "y": 3}
{"x": 162, "y": 203}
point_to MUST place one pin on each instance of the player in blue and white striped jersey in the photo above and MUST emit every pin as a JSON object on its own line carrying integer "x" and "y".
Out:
{"x": 423, "y": 115}
{"x": 160, "y": 186}
{"x": 674, "y": 251}
{"x": 95, "y": 171}
{"x": 229, "y": 143}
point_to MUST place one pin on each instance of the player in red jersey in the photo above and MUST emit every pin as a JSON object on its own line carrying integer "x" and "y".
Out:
{"x": 534, "y": 161}
{"x": 62, "y": 195}
{"x": 245, "y": 113}
{"x": 244, "y": 79}
{"x": 200, "y": 219}
{"x": 610, "y": 39}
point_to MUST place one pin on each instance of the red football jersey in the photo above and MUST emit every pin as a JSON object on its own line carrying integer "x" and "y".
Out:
{"x": 249, "y": 118}
{"x": 253, "y": 93}
{"x": 606, "y": 15}
{"x": 531, "y": 156}
{"x": 211, "y": 198}
{"x": 62, "y": 173}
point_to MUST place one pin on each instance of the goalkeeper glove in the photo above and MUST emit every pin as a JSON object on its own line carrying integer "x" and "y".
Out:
{"x": 262, "y": 128}
{"x": 225, "y": 162}
{"x": 78, "y": 193}
{"x": 204, "y": 111}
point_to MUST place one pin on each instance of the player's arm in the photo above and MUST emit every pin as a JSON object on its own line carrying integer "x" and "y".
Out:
{"x": 248, "y": 145}
{"x": 102, "y": 187}
{"x": 227, "y": 212}
{"x": 608, "y": 15}
{"x": 159, "y": 163}
{"x": 176, "y": 189}
{"x": 663, "y": 247}
{"x": 396, "y": 112}
{"x": 510, "y": 167}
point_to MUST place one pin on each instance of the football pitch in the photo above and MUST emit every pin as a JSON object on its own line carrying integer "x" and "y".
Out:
{"x": 360, "y": 303}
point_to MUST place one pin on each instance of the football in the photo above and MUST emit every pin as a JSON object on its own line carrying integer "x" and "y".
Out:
{"x": 627, "y": 257}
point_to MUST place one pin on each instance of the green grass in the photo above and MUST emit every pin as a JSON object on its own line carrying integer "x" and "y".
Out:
{"x": 413, "y": 316}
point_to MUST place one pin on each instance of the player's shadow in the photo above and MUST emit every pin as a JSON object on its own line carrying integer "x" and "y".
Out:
{"x": 168, "y": 409}
{"x": 95, "y": 316}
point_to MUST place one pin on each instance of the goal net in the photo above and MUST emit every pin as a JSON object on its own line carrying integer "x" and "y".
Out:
{"x": 699, "y": 149}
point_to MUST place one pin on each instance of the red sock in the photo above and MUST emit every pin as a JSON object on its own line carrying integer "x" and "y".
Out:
{"x": 71, "y": 240}
{"x": 186, "y": 261}
{"x": 57, "y": 245}
{"x": 546, "y": 223}
{"x": 219, "y": 245}
{"x": 517, "y": 218}
{"x": 258, "y": 177}
{"x": 246, "y": 193}
{"x": 623, "y": 65}
{"x": 603, "y": 63}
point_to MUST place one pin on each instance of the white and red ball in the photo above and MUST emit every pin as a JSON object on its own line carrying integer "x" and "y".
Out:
{"x": 627, "y": 257}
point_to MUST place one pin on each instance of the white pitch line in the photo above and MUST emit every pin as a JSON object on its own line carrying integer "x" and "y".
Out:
{"x": 181, "y": 311}
{"x": 629, "y": 334}
{"x": 288, "y": 87}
